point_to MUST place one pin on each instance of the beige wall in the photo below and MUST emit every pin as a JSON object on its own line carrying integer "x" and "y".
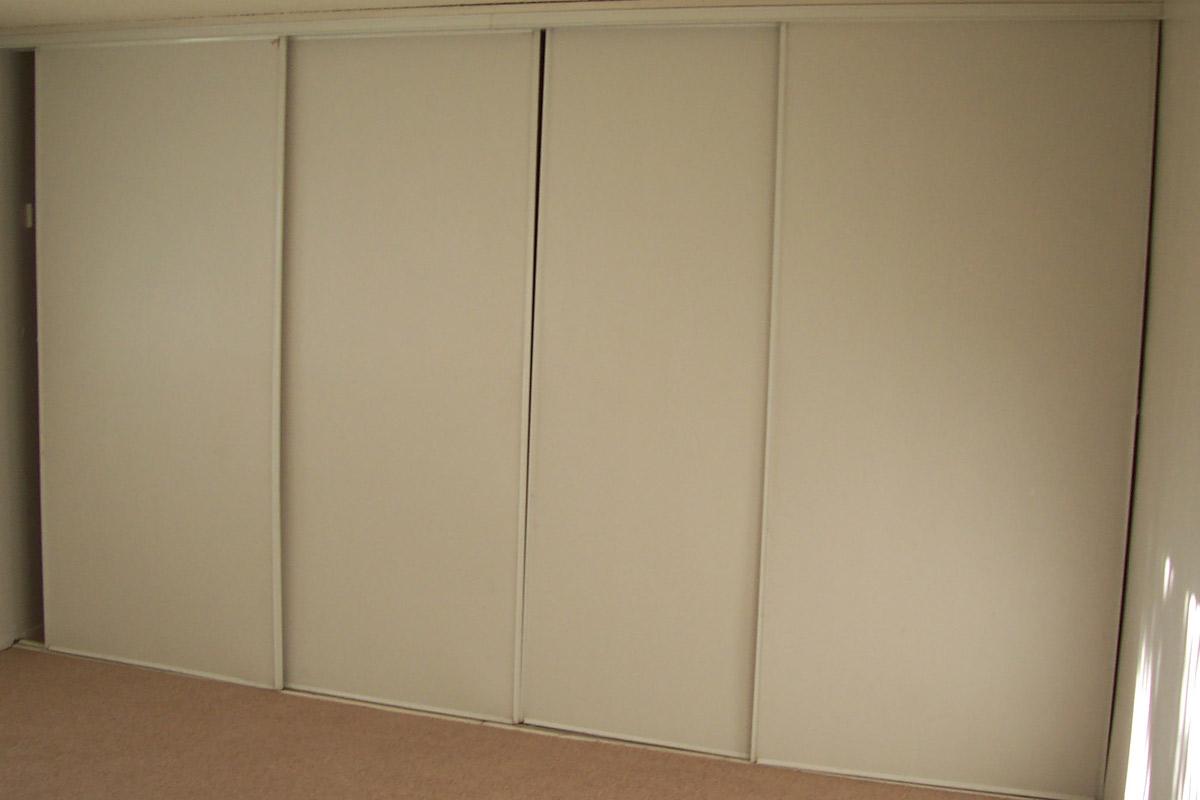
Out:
{"x": 1155, "y": 750}
{"x": 20, "y": 567}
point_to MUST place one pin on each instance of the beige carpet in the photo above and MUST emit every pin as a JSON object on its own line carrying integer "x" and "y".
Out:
{"x": 77, "y": 728}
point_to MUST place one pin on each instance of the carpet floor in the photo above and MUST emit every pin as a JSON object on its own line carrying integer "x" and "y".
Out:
{"x": 79, "y": 728}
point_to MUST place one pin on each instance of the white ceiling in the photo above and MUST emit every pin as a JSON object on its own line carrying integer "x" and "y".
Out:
{"x": 23, "y": 13}
{"x": 27, "y": 13}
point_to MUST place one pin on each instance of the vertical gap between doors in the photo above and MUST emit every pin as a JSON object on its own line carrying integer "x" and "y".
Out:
{"x": 29, "y": 438}
{"x": 519, "y": 672}
{"x": 1137, "y": 418}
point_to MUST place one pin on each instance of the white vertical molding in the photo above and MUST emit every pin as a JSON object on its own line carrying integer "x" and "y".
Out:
{"x": 776, "y": 222}
{"x": 526, "y": 372}
{"x": 281, "y": 45}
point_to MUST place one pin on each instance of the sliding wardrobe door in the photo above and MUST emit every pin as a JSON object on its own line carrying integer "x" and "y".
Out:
{"x": 157, "y": 285}
{"x": 411, "y": 164}
{"x": 649, "y": 383}
{"x": 963, "y": 236}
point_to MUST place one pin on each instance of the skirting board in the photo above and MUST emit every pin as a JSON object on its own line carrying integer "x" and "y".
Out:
{"x": 999, "y": 791}
{"x": 133, "y": 662}
{"x": 23, "y": 634}
{"x": 620, "y": 737}
{"x": 397, "y": 705}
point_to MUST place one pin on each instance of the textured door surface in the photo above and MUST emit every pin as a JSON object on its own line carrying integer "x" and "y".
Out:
{"x": 157, "y": 191}
{"x": 649, "y": 382}
{"x": 963, "y": 248}
{"x": 409, "y": 246}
